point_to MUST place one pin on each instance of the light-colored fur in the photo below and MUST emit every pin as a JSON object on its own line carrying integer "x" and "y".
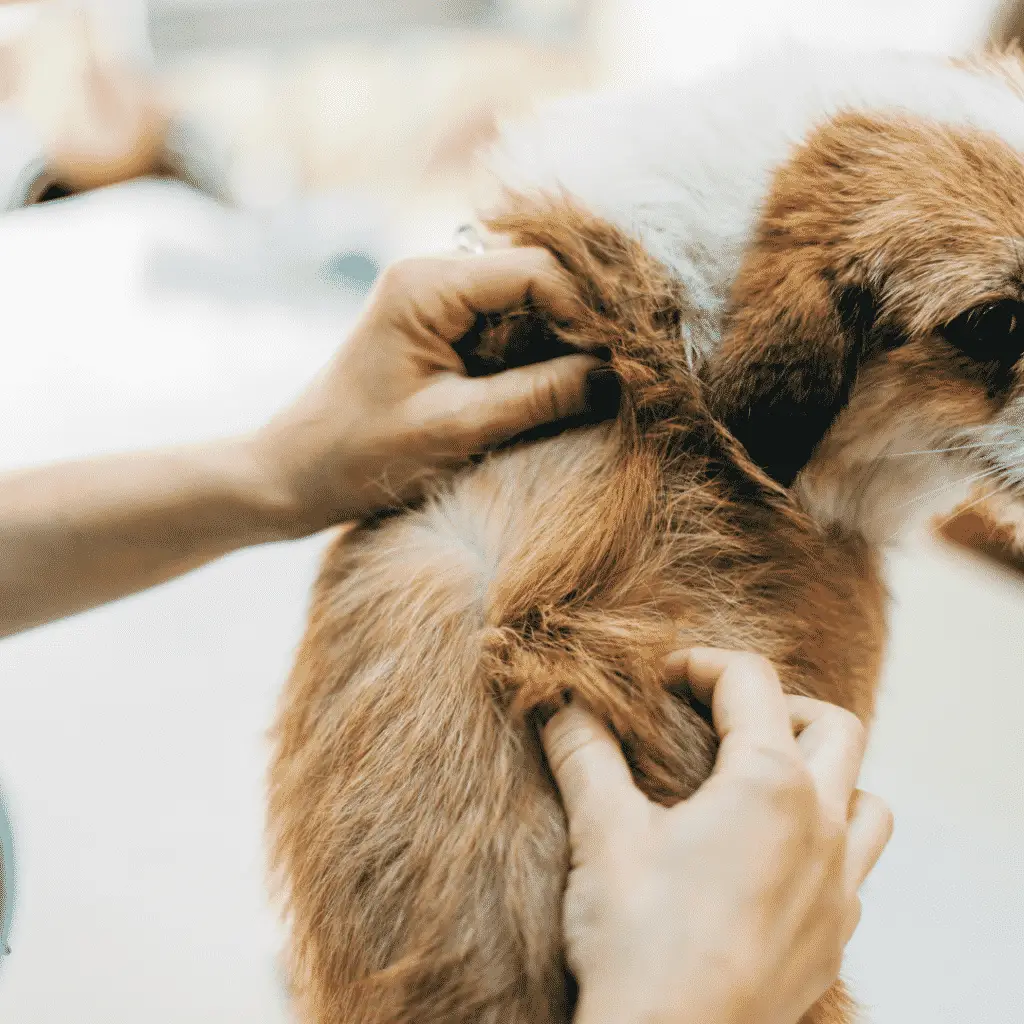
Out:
{"x": 781, "y": 266}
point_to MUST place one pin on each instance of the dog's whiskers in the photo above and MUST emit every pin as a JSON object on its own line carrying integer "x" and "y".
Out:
{"x": 935, "y": 492}
{"x": 980, "y": 445}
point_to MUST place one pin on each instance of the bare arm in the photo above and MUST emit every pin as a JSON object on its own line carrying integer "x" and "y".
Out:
{"x": 393, "y": 406}
{"x": 80, "y": 534}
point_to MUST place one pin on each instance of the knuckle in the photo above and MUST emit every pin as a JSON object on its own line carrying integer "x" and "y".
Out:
{"x": 851, "y": 726}
{"x": 779, "y": 771}
{"x": 875, "y": 806}
{"x": 888, "y": 819}
{"x": 548, "y": 401}
{"x": 877, "y": 824}
{"x": 755, "y": 665}
{"x": 402, "y": 276}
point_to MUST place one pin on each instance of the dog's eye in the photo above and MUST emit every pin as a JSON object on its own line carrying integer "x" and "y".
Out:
{"x": 993, "y": 333}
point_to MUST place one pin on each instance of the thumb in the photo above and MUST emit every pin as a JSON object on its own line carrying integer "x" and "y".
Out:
{"x": 527, "y": 396}
{"x": 592, "y": 775}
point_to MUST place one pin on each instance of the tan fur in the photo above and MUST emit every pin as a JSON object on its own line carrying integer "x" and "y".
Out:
{"x": 417, "y": 836}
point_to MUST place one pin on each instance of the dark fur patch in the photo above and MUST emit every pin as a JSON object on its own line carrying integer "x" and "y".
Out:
{"x": 788, "y": 362}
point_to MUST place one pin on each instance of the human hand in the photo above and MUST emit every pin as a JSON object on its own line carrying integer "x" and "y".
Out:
{"x": 735, "y": 905}
{"x": 99, "y": 121}
{"x": 395, "y": 404}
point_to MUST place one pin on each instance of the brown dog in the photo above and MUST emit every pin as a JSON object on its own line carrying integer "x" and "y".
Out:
{"x": 809, "y": 279}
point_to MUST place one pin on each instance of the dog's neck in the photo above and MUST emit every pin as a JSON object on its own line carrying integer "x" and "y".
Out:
{"x": 881, "y": 483}
{"x": 879, "y": 498}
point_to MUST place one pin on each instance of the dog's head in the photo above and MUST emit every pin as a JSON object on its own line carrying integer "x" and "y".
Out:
{"x": 872, "y": 351}
{"x": 853, "y": 306}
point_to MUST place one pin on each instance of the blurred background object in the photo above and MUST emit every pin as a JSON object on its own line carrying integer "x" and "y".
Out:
{"x": 319, "y": 107}
{"x": 299, "y": 111}
{"x": 96, "y": 113}
{"x": 393, "y": 96}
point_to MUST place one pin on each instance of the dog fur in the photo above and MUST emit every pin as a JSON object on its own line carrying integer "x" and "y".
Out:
{"x": 806, "y": 279}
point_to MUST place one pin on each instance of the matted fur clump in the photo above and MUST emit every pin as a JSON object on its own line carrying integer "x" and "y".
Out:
{"x": 808, "y": 283}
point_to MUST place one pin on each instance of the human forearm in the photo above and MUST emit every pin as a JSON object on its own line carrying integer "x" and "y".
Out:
{"x": 392, "y": 409}
{"x": 78, "y": 534}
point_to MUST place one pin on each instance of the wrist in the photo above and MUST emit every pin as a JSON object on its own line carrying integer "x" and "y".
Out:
{"x": 280, "y": 494}
{"x": 262, "y": 508}
{"x": 643, "y": 1003}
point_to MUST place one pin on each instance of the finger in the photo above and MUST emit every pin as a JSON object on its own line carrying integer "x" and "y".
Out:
{"x": 591, "y": 772}
{"x": 832, "y": 742}
{"x": 448, "y": 294}
{"x": 853, "y": 916}
{"x": 677, "y": 668}
{"x": 501, "y": 279}
{"x": 527, "y": 396}
{"x": 871, "y": 826}
{"x": 746, "y": 699}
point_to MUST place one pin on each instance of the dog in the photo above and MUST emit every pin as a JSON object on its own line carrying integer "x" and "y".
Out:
{"x": 807, "y": 277}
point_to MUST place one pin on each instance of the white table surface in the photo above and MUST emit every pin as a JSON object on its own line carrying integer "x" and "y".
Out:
{"x": 132, "y": 738}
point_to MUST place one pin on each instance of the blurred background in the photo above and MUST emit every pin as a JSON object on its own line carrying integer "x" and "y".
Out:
{"x": 303, "y": 145}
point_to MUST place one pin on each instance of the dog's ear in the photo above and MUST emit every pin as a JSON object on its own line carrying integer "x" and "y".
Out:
{"x": 788, "y": 361}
